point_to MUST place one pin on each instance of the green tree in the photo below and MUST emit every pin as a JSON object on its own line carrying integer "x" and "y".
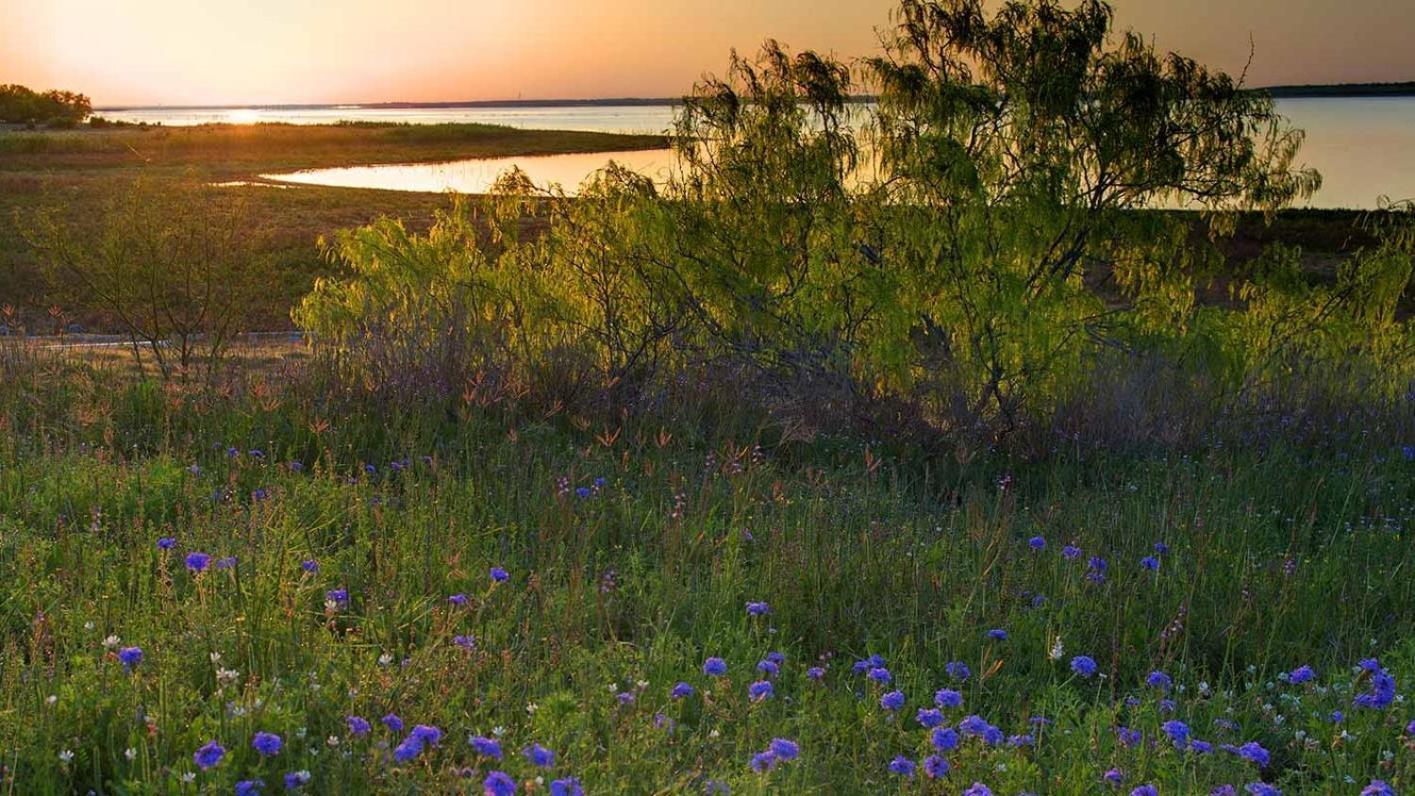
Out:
{"x": 173, "y": 263}
{"x": 20, "y": 105}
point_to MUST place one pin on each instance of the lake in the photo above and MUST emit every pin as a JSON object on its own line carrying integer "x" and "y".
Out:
{"x": 1364, "y": 147}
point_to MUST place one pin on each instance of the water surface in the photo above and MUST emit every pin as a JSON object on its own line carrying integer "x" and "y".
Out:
{"x": 1364, "y": 147}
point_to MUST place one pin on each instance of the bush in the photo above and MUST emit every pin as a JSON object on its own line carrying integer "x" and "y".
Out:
{"x": 172, "y": 265}
{"x": 929, "y": 255}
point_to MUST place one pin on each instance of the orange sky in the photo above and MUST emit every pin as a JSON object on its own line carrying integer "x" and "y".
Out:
{"x": 296, "y": 51}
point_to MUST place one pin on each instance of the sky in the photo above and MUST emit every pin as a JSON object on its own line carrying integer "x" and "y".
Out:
{"x": 214, "y": 52}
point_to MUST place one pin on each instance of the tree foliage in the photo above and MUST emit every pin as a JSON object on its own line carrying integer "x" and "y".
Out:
{"x": 939, "y": 247}
{"x": 20, "y": 105}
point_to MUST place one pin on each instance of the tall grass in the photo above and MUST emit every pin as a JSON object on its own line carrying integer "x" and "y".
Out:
{"x": 632, "y": 552}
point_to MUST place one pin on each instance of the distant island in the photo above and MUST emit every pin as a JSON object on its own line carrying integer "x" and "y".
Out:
{"x": 1405, "y": 89}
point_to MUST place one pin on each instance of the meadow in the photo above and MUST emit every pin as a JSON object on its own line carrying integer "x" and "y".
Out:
{"x": 77, "y": 172}
{"x": 980, "y": 477}
{"x": 413, "y": 600}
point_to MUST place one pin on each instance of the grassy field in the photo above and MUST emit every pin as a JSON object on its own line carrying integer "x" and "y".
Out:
{"x": 440, "y": 559}
{"x": 390, "y": 591}
{"x": 79, "y": 170}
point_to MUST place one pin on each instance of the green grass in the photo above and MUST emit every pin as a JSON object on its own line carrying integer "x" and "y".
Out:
{"x": 78, "y": 170}
{"x": 1278, "y": 557}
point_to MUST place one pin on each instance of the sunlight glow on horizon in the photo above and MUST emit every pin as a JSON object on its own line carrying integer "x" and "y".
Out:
{"x": 179, "y": 52}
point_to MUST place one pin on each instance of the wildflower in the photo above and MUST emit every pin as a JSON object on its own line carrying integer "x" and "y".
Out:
{"x": 1377, "y": 788}
{"x": 1145, "y": 790}
{"x": 935, "y": 766}
{"x": 865, "y": 664}
{"x": 1151, "y": 563}
{"x": 929, "y": 717}
{"x": 1177, "y": 731}
{"x": 1161, "y": 548}
{"x": 816, "y": 673}
{"x": 997, "y": 634}
{"x": 1070, "y": 552}
{"x": 66, "y": 756}
{"x": 784, "y": 749}
{"x": 978, "y": 789}
{"x": 714, "y": 667}
{"x": 465, "y": 642}
{"x": 539, "y": 756}
{"x": 776, "y": 658}
{"x": 570, "y": 786}
{"x": 297, "y": 779}
{"x": 357, "y": 726}
{"x": 130, "y": 657}
{"x": 958, "y": 670}
{"x": 428, "y": 734}
{"x": 1262, "y": 789}
{"x": 249, "y": 787}
{"x": 1127, "y": 736}
{"x": 1019, "y": 741}
{"x": 948, "y": 698}
{"x": 582, "y": 492}
{"x": 1199, "y": 747}
{"x": 880, "y": 675}
{"x": 266, "y": 743}
{"x": 486, "y": 747}
{"x": 1410, "y": 728}
{"x": 1084, "y": 665}
{"x": 1113, "y": 776}
{"x": 944, "y": 739}
{"x": 311, "y": 566}
{"x": 226, "y": 562}
{"x": 209, "y": 755}
{"x": 1159, "y": 680}
{"x": 1382, "y": 690}
{"x": 768, "y": 668}
{"x": 337, "y": 596}
{"x": 757, "y": 609}
{"x": 1300, "y": 675}
{"x": 197, "y": 562}
{"x": 1253, "y": 752}
{"x": 760, "y": 690}
{"x": 498, "y": 784}
{"x": 902, "y": 766}
{"x": 499, "y": 575}
{"x": 892, "y": 701}
{"x": 1223, "y": 790}
{"x": 166, "y": 543}
{"x": 408, "y": 749}
{"x": 1037, "y": 543}
{"x": 392, "y": 722}
{"x": 681, "y": 691}
{"x": 458, "y": 599}
{"x": 763, "y": 762}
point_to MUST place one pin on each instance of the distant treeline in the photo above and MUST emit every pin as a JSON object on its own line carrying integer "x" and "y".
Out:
{"x": 1405, "y": 89}
{"x": 20, "y": 105}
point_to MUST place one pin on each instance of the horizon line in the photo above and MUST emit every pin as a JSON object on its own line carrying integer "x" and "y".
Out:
{"x": 1284, "y": 89}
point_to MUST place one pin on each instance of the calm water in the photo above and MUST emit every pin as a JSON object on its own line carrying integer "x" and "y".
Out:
{"x": 478, "y": 175}
{"x": 1364, "y": 147}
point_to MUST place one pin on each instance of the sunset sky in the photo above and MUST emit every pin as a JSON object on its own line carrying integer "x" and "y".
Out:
{"x": 125, "y": 52}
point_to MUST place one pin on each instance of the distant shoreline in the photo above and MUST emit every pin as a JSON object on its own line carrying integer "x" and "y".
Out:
{"x": 546, "y": 103}
{"x": 1405, "y": 89}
